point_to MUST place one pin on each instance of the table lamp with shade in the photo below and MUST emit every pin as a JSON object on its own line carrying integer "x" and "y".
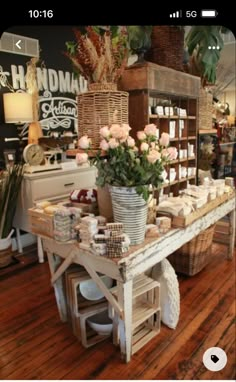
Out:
{"x": 18, "y": 110}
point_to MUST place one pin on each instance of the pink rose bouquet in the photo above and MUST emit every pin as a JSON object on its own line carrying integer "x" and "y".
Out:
{"x": 126, "y": 163}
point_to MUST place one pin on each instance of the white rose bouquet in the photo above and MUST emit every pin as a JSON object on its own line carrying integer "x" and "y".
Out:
{"x": 123, "y": 162}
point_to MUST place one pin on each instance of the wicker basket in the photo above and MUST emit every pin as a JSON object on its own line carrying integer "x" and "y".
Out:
{"x": 5, "y": 257}
{"x": 205, "y": 110}
{"x": 193, "y": 256}
{"x": 103, "y": 86}
{"x": 167, "y": 47}
{"x": 98, "y": 109}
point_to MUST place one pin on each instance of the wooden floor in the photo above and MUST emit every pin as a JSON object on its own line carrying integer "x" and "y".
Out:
{"x": 34, "y": 344}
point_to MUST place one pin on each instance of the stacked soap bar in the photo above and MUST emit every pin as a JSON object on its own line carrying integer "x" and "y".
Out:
{"x": 117, "y": 242}
{"x": 110, "y": 241}
{"x": 87, "y": 229}
{"x": 105, "y": 239}
{"x": 65, "y": 221}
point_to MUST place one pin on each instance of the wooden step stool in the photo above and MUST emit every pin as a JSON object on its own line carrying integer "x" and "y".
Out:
{"x": 146, "y": 317}
{"x": 79, "y": 308}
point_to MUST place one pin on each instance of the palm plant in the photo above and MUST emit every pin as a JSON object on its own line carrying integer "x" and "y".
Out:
{"x": 203, "y": 58}
{"x": 10, "y": 184}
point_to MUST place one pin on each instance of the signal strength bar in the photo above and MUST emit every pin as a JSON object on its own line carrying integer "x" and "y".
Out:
{"x": 176, "y": 14}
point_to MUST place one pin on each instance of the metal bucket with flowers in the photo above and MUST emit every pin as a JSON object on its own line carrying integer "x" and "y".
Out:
{"x": 130, "y": 168}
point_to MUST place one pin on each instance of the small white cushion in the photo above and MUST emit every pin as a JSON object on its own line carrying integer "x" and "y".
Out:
{"x": 169, "y": 288}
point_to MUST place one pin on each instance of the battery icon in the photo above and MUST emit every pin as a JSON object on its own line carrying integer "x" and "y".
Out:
{"x": 208, "y": 13}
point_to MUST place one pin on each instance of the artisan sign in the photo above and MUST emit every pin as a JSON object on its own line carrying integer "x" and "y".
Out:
{"x": 58, "y": 112}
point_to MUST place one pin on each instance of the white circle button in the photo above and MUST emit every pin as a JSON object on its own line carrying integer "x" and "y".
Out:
{"x": 214, "y": 359}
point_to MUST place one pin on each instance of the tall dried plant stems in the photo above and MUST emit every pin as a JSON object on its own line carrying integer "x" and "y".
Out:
{"x": 99, "y": 57}
{"x": 32, "y": 87}
{"x": 96, "y": 40}
{"x": 108, "y": 57}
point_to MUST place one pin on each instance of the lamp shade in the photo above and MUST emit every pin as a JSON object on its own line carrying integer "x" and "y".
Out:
{"x": 18, "y": 107}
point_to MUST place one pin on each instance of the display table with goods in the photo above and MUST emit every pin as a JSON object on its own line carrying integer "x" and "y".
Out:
{"x": 128, "y": 271}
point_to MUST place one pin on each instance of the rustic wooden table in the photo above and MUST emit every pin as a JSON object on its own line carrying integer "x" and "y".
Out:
{"x": 136, "y": 261}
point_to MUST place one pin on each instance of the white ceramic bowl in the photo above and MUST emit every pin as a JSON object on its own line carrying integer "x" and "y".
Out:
{"x": 101, "y": 323}
{"x": 91, "y": 291}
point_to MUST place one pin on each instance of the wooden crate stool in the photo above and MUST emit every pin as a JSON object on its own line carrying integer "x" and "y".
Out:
{"x": 79, "y": 274}
{"x": 146, "y": 318}
{"x": 79, "y": 308}
{"x": 88, "y": 336}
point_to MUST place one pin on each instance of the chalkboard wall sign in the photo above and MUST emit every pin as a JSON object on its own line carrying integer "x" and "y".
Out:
{"x": 57, "y": 84}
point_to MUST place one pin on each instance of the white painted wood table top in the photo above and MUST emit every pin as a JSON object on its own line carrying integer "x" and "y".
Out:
{"x": 136, "y": 261}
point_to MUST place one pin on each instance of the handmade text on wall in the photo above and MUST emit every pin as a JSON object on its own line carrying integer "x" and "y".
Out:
{"x": 57, "y": 112}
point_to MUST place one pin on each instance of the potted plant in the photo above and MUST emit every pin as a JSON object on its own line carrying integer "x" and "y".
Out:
{"x": 139, "y": 37}
{"x": 203, "y": 60}
{"x": 129, "y": 168}
{"x": 10, "y": 183}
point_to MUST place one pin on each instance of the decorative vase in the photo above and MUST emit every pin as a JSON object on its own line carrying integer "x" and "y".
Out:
{"x": 130, "y": 209}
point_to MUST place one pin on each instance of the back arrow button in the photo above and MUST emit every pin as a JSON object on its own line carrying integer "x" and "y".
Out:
{"x": 18, "y": 44}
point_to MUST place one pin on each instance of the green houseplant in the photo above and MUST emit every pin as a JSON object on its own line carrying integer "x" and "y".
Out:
{"x": 204, "y": 60}
{"x": 139, "y": 38}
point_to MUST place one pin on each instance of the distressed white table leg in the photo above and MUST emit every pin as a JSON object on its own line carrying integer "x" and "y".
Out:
{"x": 54, "y": 262}
{"x": 18, "y": 239}
{"x": 232, "y": 217}
{"x": 125, "y": 298}
{"x": 40, "y": 250}
{"x": 115, "y": 334}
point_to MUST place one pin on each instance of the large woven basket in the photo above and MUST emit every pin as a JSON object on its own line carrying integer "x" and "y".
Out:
{"x": 101, "y": 108}
{"x": 94, "y": 87}
{"x": 193, "y": 256}
{"x": 205, "y": 110}
{"x": 167, "y": 47}
{"x": 5, "y": 257}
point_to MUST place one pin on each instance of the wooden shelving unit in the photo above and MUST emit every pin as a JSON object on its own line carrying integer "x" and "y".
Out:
{"x": 209, "y": 131}
{"x": 150, "y": 85}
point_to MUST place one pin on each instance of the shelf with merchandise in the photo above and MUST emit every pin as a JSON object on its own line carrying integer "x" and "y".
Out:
{"x": 169, "y": 99}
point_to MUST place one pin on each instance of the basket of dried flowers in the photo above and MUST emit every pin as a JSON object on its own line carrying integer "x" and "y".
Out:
{"x": 100, "y": 55}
